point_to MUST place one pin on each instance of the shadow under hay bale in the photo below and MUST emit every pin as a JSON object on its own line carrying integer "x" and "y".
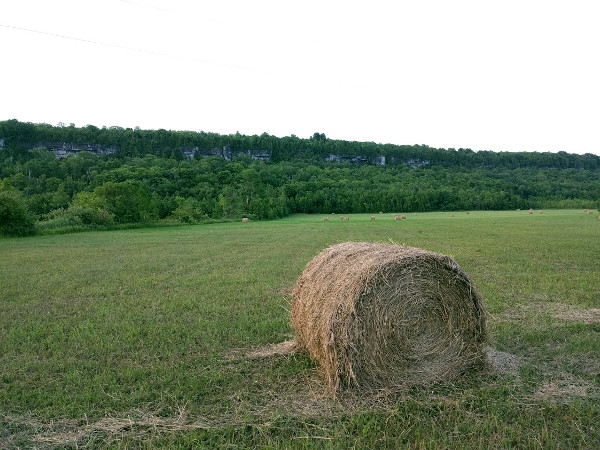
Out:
{"x": 381, "y": 316}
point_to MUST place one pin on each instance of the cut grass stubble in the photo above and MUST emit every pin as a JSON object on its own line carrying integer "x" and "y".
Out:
{"x": 143, "y": 324}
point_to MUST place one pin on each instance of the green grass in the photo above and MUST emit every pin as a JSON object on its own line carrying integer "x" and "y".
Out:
{"x": 140, "y": 337}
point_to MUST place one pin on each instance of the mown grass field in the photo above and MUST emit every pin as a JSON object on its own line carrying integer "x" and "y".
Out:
{"x": 141, "y": 338}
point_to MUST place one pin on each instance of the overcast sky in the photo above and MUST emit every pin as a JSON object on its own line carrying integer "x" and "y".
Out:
{"x": 486, "y": 75}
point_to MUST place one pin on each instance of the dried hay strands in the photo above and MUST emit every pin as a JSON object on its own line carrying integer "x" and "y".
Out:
{"x": 381, "y": 316}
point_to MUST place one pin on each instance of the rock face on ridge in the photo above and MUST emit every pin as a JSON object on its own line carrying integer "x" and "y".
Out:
{"x": 64, "y": 149}
{"x": 227, "y": 153}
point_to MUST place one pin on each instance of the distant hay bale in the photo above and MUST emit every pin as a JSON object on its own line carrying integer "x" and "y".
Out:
{"x": 416, "y": 214}
{"x": 245, "y": 219}
{"x": 530, "y": 211}
{"x": 451, "y": 215}
{"x": 402, "y": 217}
{"x": 541, "y": 212}
{"x": 325, "y": 219}
{"x": 381, "y": 316}
{"x": 397, "y": 217}
{"x": 372, "y": 217}
{"x": 341, "y": 217}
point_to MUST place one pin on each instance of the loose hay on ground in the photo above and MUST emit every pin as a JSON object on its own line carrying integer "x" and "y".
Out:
{"x": 282, "y": 348}
{"x": 380, "y": 316}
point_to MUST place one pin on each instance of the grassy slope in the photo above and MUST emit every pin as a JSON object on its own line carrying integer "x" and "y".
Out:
{"x": 141, "y": 336}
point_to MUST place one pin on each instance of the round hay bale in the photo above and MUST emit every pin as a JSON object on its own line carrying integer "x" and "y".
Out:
{"x": 382, "y": 316}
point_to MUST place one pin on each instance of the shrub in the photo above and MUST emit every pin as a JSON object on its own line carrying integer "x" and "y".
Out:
{"x": 76, "y": 215}
{"x": 189, "y": 210}
{"x": 15, "y": 218}
{"x": 130, "y": 201}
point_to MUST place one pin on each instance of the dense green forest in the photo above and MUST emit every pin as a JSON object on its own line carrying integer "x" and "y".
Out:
{"x": 112, "y": 176}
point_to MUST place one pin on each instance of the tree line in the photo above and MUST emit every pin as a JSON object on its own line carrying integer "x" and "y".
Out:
{"x": 133, "y": 143}
{"x": 154, "y": 182}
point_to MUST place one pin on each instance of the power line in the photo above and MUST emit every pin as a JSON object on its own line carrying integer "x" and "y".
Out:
{"x": 123, "y": 47}
{"x": 88, "y": 41}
